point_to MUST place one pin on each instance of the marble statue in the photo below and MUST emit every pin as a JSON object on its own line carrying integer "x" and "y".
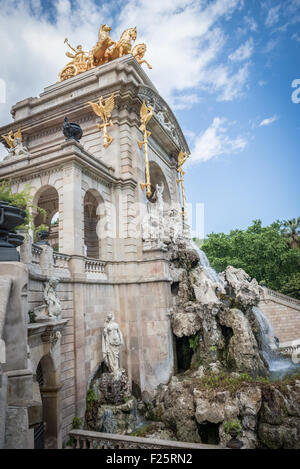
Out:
{"x": 51, "y": 309}
{"x": 154, "y": 225}
{"x": 51, "y": 298}
{"x": 205, "y": 289}
{"x": 111, "y": 343}
{"x": 159, "y": 197}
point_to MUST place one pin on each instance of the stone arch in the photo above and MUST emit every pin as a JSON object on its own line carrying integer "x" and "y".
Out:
{"x": 47, "y": 433}
{"x": 47, "y": 198}
{"x": 94, "y": 222}
{"x": 157, "y": 177}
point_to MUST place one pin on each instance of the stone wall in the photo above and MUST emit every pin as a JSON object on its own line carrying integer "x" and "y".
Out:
{"x": 284, "y": 315}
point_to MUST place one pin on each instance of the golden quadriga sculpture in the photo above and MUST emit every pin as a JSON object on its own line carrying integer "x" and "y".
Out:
{"x": 104, "y": 111}
{"x": 104, "y": 51}
{"x": 182, "y": 157}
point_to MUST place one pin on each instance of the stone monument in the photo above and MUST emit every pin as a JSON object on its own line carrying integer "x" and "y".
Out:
{"x": 51, "y": 310}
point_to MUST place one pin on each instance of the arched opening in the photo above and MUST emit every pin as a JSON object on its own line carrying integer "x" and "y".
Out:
{"x": 158, "y": 177}
{"x": 46, "y": 433}
{"x": 39, "y": 429}
{"x": 47, "y": 198}
{"x": 54, "y": 233}
{"x": 91, "y": 203}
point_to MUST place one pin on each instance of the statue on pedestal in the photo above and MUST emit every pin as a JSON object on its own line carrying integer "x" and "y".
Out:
{"x": 51, "y": 310}
{"x": 111, "y": 343}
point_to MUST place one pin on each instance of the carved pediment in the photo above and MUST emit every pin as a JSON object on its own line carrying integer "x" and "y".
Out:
{"x": 164, "y": 115}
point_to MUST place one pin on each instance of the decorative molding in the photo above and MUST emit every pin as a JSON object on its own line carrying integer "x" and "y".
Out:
{"x": 164, "y": 115}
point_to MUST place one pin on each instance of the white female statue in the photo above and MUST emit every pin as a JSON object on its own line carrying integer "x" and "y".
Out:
{"x": 51, "y": 298}
{"x": 111, "y": 343}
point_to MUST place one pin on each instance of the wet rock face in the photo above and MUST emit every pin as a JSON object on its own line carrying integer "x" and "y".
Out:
{"x": 279, "y": 422}
{"x": 113, "y": 389}
{"x": 215, "y": 315}
{"x": 269, "y": 418}
{"x": 245, "y": 291}
{"x": 201, "y": 306}
{"x": 242, "y": 347}
{"x": 175, "y": 407}
{"x": 185, "y": 324}
{"x": 110, "y": 406}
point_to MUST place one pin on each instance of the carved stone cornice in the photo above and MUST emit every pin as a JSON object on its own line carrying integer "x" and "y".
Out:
{"x": 47, "y": 330}
{"x": 164, "y": 115}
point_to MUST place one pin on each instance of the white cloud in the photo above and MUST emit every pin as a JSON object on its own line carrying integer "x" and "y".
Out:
{"x": 268, "y": 121}
{"x": 185, "y": 101}
{"x": 251, "y": 23}
{"x": 215, "y": 141}
{"x": 272, "y": 16}
{"x": 244, "y": 52}
{"x": 271, "y": 44}
{"x": 185, "y": 41}
{"x": 262, "y": 82}
{"x": 231, "y": 86}
{"x": 296, "y": 36}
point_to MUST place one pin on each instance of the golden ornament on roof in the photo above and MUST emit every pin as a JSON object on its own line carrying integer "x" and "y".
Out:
{"x": 146, "y": 113}
{"x": 182, "y": 157}
{"x": 105, "y": 50}
{"x": 104, "y": 111}
{"x": 12, "y": 137}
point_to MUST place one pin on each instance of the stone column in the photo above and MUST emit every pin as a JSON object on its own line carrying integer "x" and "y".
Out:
{"x": 72, "y": 217}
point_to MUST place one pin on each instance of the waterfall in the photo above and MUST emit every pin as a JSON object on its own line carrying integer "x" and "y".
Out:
{"x": 279, "y": 367}
{"x": 108, "y": 422}
{"x": 204, "y": 262}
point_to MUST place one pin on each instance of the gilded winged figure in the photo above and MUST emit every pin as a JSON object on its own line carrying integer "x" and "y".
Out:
{"x": 146, "y": 113}
{"x": 11, "y": 137}
{"x": 104, "y": 111}
{"x": 182, "y": 157}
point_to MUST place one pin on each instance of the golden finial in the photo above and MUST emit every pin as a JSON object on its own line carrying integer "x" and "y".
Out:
{"x": 182, "y": 157}
{"x": 146, "y": 113}
{"x": 104, "y": 111}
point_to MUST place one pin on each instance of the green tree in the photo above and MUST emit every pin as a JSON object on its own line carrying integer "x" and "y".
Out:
{"x": 291, "y": 232}
{"x": 261, "y": 251}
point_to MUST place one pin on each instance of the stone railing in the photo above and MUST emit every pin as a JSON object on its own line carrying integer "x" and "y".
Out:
{"x": 93, "y": 440}
{"x": 61, "y": 261}
{"x": 94, "y": 268}
{"x": 279, "y": 297}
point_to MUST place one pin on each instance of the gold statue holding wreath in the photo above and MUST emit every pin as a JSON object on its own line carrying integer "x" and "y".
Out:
{"x": 104, "y": 51}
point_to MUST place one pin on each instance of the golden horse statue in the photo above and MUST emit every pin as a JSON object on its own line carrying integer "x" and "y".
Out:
{"x": 138, "y": 52}
{"x": 104, "y": 51}
{"x": 123, "y": 46}
{"x": 104, "y": 42}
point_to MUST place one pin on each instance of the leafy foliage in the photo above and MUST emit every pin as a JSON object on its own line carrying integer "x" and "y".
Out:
{"x": 262, "y": 252}
{"x": 291, "y": 232}
{"x": 22, "y": 199}
{"x": 233, "y": 425}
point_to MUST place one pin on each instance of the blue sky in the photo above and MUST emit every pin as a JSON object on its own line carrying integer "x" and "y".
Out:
{"x": 226, "y": 67}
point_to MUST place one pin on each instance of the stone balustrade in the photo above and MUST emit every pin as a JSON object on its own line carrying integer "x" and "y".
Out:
{"x": 94, "y": 267}
{"x": 95, "y": 440}
{"x": 61, "y": 261}
{"x": 281, "y": 298}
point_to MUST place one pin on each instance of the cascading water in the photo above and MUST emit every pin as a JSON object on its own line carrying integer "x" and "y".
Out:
{"x": 279, "y": 367}
{"x": 204, "y": 262}
{"x": 108, "y": 422}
